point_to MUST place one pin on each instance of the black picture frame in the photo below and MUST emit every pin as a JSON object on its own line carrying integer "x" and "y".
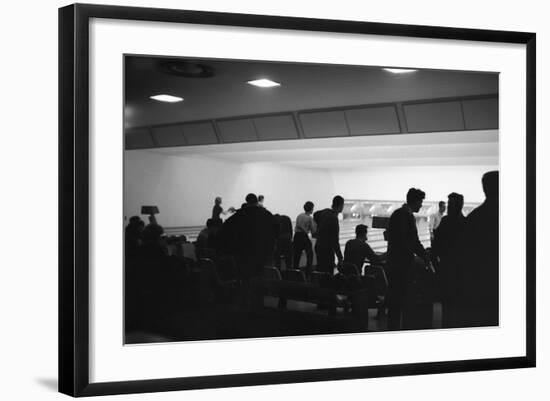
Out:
{"x": 74, "y": 198}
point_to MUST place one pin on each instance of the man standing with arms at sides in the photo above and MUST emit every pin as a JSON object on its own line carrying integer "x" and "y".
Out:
{"x": 328, "y": 236}
{"x": 479, "y": 276}
{"x": 435, "y": 219}
{"x": 448, "y": 248}
{"x": 249, "y": 235}
{"x": 403, "y": 245}
{"x": 304, "y": 226}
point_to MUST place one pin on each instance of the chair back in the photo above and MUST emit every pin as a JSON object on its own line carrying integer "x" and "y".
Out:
{"x": 294, "y": 275}
{"x": 321, "y": 279}
{"x": 272, "y": 273}
{"x": 349, "y": 270}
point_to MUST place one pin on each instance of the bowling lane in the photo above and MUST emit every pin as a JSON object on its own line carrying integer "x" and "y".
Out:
{"x": 347, "y": 232}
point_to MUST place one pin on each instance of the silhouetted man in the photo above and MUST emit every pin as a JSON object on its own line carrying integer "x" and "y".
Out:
{"x": 357, "y": 250}
{"x": 217, "y": 209}
{"x": 208, "y": 237}
{"x": 447, "y": 247}
{"x": 304, "y": 225}
{"x": 328, "y": 236}
{"x": 132, "y": 237}
{"x": 249, "y": 235}
{"x": 403, "y": 245}
{"x": 479, "y": 270}
{"x": 283, "y": 247}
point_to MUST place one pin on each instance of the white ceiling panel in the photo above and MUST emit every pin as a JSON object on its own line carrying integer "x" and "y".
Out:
{"x": 433, "y": 149}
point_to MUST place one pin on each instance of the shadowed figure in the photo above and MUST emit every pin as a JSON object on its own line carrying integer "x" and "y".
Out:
{"x": 249, "y": 235}
{"x": 447, "y": 248}
{"x": 283, "y": 246}
{"x": 328, "y": 236}
{"x": 479, "y": 276}
{"x": 133, "y": 237}
{"x": 304, "y": 225}
{"x": 403, "y": 245}
{"x": 208, "y": 238}
{"x": 357, "y": 250}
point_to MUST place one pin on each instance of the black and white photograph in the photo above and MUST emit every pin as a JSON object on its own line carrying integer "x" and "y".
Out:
{"x": 275, "y": 199}
{"x": 289, "y": 200}
{"x": 253, "y": 200}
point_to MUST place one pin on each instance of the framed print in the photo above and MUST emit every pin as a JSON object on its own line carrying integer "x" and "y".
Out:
{"x": 251, "y": 199}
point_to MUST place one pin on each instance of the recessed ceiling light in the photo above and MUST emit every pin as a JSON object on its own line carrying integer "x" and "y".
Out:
{"x": 398, "y": 70}
{"x": 167, "y": 98}
{"x": 264, "y": 83}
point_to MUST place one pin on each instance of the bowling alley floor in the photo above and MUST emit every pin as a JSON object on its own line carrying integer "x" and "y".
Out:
{"x": 233, "y": 322}
{"x": 375, "y": 322}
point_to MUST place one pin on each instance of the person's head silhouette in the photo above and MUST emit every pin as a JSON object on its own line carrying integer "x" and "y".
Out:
{"x": 490, "y": 185}
{"x": 441, "y": 207}
{"x": 415, "y": 197}
{"x": 361, "y": 232}
{"x": 251, "y": 200}
{"x": 455, "y": 203}
{"x": 308, "y": 207}
{"x": 338, "y": 203}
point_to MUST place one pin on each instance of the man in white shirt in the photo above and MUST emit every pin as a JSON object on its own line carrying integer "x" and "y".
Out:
{"x": 304, "y": 226}
{"x": 435, "y": 219}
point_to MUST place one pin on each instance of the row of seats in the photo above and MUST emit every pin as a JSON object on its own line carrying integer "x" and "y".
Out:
{"x": 349, "y": 289}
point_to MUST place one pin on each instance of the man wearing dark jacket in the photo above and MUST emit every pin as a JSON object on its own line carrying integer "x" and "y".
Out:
{"x": 479, "y": 274}
{"x": 447, "y": 247}
{"x": 283, "y": 245}
{"x": 328, "y": 236}
{"x": 249, "y": 235}
{"x": 403, "y": 245}
{"x": 358, "y": 250}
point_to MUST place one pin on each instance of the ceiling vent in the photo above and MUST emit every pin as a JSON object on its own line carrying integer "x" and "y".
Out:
{"x": 187, "y": 69}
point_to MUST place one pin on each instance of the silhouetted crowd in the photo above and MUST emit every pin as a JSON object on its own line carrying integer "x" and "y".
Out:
{"x": 462, "y": 261}
{"x": 465, "y": 255}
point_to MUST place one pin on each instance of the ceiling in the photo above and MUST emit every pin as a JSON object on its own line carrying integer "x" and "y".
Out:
{"x": 307, "y": 87}
{"x": 303, "y": 87}
{"x": 460, "y": 148}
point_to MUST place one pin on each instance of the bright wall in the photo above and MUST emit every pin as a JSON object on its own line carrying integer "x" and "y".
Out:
{"x": 184, "y": 188}
{"x": 393, "y": 183}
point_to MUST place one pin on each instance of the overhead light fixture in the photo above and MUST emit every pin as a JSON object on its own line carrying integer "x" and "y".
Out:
{"x": 167, "y": 98}
{"x": 398, "y": 70}
{"x": 264, "y": 83}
